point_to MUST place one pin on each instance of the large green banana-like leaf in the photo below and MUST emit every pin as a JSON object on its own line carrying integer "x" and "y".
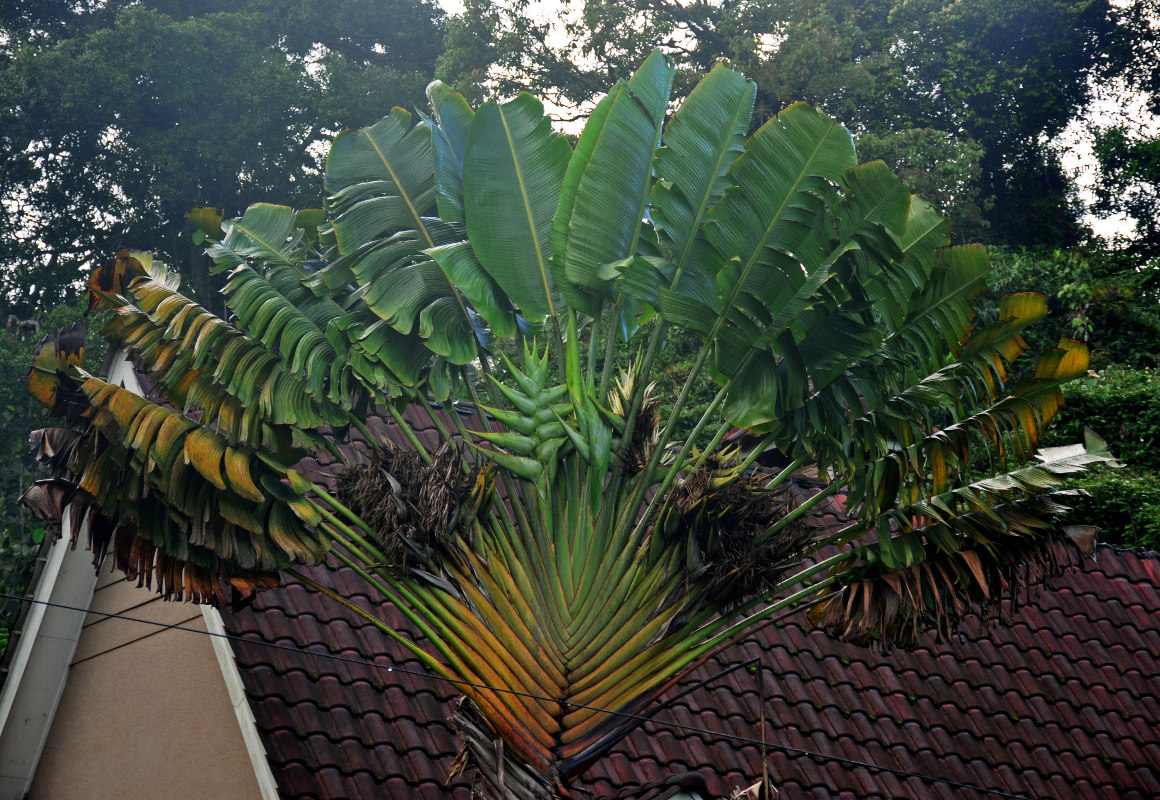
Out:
{"x": 813, "y": 291}
{"x": 905, "y": 380}
{"x": 770, "y": 231}
{"x": 272, "y": 245}
{"x": 840, "y": 328}
{"x": 701, "y": 142}
{"x": 772, "y": 234}
{"x": 513, "y": 168}
{"x": 266, "y": 234}
{"x": 607, "y": 184}
{"x": 936, "y": 424}
{"x": 381, "y": 180}
{"x": 463, "y": 270}
{"x": 242, "y": 367}
{"x": 264, "y": 255}
{"x": 449, "y": 139}
{"x": 399, "y": 284}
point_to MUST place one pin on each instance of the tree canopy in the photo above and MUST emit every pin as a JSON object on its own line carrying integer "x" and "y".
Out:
{"x": 1130, "y": 166}
{"x": 118, "y": 118}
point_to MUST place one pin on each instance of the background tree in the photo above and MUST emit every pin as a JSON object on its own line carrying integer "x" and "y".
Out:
{"x": 825, "y": 303}
{"x": 1129, "y": 164}
{"x": 20, "y": 535}
{"x": 118, "y": 118}
{"x": 990, "y": 82}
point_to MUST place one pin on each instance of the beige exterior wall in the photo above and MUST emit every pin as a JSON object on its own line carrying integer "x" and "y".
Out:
{"x": 145, "y": 712}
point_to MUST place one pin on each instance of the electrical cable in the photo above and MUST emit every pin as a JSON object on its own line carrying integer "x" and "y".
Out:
{"x": 458, "y": 681}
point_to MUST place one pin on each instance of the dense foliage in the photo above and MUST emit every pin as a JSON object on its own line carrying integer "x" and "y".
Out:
{"x": 117, "y": 118}
{"x": 1111, "y": 300}
{"x": 1122, "y": 405}
{"x": 1125, "y": 505}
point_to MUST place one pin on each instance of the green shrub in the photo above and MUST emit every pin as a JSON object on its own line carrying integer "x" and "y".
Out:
{"x": 1107, "y": 299}
{"x": 1122, "y": 405}
{"x": 1124, "y": 506}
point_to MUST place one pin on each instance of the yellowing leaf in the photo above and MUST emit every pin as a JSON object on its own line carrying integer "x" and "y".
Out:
{"x": 238, "y": 471}
{"x": 111, "y": 278}
{"x": 208, "y": 220}
{"x": 204, "y": 450}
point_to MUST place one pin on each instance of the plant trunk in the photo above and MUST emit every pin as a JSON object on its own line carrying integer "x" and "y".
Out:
{"x": 496, "y": 774}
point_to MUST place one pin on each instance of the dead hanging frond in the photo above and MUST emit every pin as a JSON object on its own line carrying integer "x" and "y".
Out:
{"x": 213, "y": 582}
{"x": 414, "y": 506}
{"x": 47, "y": 500}
{"x": 55, "y": 447}
{"x": 895, "y": 606}
{"x": 721, "y": 513}
{"x": 646, "y": 432}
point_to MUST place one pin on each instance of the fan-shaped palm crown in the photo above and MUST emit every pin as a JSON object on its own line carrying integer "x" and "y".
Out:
{"x": 569, "y": 553}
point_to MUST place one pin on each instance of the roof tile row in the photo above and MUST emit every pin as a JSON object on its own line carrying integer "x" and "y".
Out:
{"x": 1015, "y": 708}
{"x": 1062, "y": 701}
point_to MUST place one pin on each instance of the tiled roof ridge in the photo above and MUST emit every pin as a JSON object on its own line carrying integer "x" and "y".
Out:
{"x": 356, "y": 741}
{"x": 1142, "y": 553}
{"x": 294, "y": 704}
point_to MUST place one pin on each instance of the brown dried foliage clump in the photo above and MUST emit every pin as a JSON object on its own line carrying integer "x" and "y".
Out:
{"x": 644, "y": 436}
{"x": 723, "y": 515}
{"x": 412, "y": 506}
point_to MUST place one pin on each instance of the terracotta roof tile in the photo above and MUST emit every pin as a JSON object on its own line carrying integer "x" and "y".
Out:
{"x": 1062, "y": 702}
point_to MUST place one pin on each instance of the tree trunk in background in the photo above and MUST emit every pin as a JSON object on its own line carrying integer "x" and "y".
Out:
{"x": 197, "y": 279}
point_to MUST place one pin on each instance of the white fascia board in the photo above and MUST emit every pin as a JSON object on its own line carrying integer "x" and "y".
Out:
{"x": 121, "y": 373}
{"x": 240, "y": 702}
{"x": 39, "y": 667}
